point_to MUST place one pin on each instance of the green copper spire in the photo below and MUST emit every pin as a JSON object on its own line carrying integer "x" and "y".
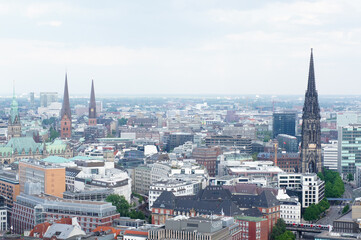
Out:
{"x": 14, "y": 111}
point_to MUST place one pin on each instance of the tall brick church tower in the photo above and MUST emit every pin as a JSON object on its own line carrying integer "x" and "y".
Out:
{"x": 311, "y": 155}
{"x": 65, "y": 114}
{"x": 92, "y": 108}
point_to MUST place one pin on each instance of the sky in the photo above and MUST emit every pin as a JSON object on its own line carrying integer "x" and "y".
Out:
{"x": 181, "y": 47}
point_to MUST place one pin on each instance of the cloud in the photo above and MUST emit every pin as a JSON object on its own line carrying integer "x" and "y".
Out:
{"x": 51, "y": 23}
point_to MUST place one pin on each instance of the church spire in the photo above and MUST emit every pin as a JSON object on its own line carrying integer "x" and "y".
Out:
{"x": 14, "y": 111}
{"x": 92, "y": 107}
{"x": 311, "y": 88}
{"x": 65, "y": 110}
{"x": 65, "y": 122}
{"x": 311, "y": 154}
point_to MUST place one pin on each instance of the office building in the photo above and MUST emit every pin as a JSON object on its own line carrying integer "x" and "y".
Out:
{"x": 242, "y": 144}
{"x": 287, "y": 143}
{"x": 50, "y": 177}
{"x": 30, "y": 210}
{"x": 349, "y": 148}
{"x": 46, "y": 98}
{"x": 3, "y": 215}
{"x": 330, "y": 155}
{"x": 311, "y": 188}
{"x": 284, "y": 123}
{"x": 9, "y": 187}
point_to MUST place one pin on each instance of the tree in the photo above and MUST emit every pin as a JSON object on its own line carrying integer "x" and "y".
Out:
{"x": 334, "y": 185}
{"x": 278, "y": 229}
{"x": 122, "y": 121}
{"x": 53, "y": 134}
{"x": 311, "y": 213}
{"x": 254, "y": 156}
{"x": 287, "y": 235}
{"x": 345, "y": 209}
{"x": 120, "y": 203}
{"x": 350, "y": 177}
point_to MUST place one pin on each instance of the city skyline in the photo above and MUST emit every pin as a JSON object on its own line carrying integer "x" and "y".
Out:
{"x": 180, "y": 47}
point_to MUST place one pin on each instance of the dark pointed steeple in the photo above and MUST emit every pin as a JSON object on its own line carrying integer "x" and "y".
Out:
{"x": 311, "y": 106}
{"x": 65, "y": 110}
{"x": 92, "y": 104}
{"x": 311, "y": 88}
{"x": 65, "y": 122}
{"x": 92, "y": 107}
{"x": 311, "y": 155}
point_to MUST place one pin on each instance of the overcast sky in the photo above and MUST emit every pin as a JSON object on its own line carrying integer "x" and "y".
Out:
{"x": 180, "y": 47}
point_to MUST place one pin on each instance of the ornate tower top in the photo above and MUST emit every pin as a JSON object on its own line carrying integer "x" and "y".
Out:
{"x": 65, "y": 110}
{"x": 311, "y": 109}
{"x": 92, "y": 104}
{"x": 14, "y": 111}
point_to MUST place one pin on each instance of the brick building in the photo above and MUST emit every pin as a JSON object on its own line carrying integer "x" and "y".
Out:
{"x": 208, "y": 158}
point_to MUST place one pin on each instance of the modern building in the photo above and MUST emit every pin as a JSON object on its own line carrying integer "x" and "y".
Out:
{"x": 311, "y": 154}
{"x": 349, "y": 148}
{"x": 287, "y": 143}
{"x": 177, "y": 139}
{"x": 3, "y": 215}
{"x": 208, "y": 158}
{"x": 330, "y": 155}
{"x": 9, "y": 187}
{"x": 50, "y": 177}
{"x": 65, "y": 114}
{"x": 312, "y": 189}
{"x": 46, "y": 98}
{"x": 240, "y": 143}
{"x": 197, "y": 228}
{"x": 30, "y": 210}
{"x": 284, "y": 123}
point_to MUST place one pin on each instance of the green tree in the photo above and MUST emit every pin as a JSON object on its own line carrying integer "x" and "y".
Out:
{"x": 120, "y": 203}
{"x": 53, "y": 134}
{"x": 278, "y": 229}
{"x": 254, "y": 156}
{"x": 287, "y": 235}
{"x": 345, "y": 209}
{"x": 122, "y": 121}
{"x": 350, "y": 177}
{"x": 312, "y": 213}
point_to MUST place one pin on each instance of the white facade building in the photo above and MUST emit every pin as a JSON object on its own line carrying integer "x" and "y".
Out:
{"x": 290, "y": 207}
{"x": 178, "y": 187}
{"x": 98, "y": 174}
{"x": 330, "y": 155}
{"x": 3, "y": 219}
{"x": 313, "y": 189}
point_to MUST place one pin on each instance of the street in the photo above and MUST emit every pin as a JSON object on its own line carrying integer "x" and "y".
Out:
{"x": 333, "y": 212}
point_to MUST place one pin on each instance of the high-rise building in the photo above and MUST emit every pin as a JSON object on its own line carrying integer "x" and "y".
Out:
{"x": 92, "y": 108}
{"x": 46, "y": 98}
{"x": 14, "y": 125}
{"x": 349, "y": 148}
{"x": 330, "y": 155}
{"x": 65, "y": 122}
{"x": 284, "y": 123}
{"x": 311, "y": 155}
{"x": 32, "y": 99}
{"x": 287, "y": 143}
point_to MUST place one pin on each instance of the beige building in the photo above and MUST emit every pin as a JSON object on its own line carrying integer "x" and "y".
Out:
{"x": 50, "y": 177}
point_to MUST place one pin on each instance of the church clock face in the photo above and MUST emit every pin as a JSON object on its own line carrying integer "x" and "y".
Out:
{"x": 92, "y": 109}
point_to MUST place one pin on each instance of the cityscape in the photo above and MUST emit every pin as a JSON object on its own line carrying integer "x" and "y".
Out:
{"x": 98, "y": 159}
